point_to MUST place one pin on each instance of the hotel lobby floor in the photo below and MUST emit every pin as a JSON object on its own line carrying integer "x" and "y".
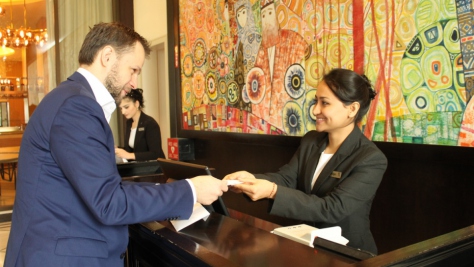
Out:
{"x": 6, "y": 202}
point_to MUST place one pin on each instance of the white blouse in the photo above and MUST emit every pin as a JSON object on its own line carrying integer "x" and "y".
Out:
{"x": 131, "y": 140}
{"x": 323, "y": 160}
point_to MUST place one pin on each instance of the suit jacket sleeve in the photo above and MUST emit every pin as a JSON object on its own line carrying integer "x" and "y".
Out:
{"x": 362, "y": 167}
{"x": 82, "y": 146}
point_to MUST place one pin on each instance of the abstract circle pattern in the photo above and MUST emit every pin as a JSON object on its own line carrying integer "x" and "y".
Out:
{"x": 199, "y": 84}
{"x": 213, "y": 58}
{"x": 340, "y": 51}
{"x": 199, "y": 52}
{"x": 255, "y": 85}
{"x": 314, "y": 71}
{"x": 199, "y": 14}
{"x": 420, "y": 101}
{"x": 431, "y": 67}
{"x": 222, "y": 86}
{"x": 451, "y": 37}
{"x": 295, "y": 81}
{"x": 211, "y": 86}
{"x": 233, "y": 94}
{"x": 186, "y": 94}
{"x": 293, "y": 119}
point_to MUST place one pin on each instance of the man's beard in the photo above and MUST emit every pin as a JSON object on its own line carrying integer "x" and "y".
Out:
{"x": 112, "y": 86}
{"x": 270, "y": 35}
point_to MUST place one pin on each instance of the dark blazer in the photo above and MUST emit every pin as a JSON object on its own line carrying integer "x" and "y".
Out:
{"x": 71, "y": 208}
{"x": 343, "y": 193}
{"x": 147, "y": 144}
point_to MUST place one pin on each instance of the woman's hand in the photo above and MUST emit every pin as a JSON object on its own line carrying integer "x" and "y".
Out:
{"x": 255, "y": 188}
{"x": 238, "y": 176}
{"x": 122, "y": 153}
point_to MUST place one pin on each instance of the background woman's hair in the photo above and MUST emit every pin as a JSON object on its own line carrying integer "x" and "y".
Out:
{"x": 350, "y": 87}
{"x": 136, "y": 95}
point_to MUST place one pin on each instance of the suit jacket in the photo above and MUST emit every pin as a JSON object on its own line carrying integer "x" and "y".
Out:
{"x": 71, "y": 208}
{"x": 147, "y": 144}
{"x": 343, "y": 193}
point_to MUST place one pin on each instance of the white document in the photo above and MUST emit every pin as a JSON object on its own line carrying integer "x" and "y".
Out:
{"x": 305, "y": 234}
{"x": 199, "y": 212}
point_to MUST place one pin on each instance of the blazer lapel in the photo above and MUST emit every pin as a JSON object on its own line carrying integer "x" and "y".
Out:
{"x": 139, "y": 132}
{"x": 341, "y": 154}
{"x": 312, "y": 163}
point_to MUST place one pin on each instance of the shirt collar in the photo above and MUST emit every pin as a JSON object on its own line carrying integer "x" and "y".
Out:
{"x": 102, "y": 95}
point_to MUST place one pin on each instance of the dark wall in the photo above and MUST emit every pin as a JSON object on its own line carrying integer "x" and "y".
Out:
{"x": 426, "y": 191}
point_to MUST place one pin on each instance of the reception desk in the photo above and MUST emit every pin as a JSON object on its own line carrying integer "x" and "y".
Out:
{"x": 243, "y": 240}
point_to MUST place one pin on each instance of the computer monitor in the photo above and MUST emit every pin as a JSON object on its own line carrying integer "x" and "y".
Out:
{"x": 179, "y": 170}
{"x": 137, "y": 168}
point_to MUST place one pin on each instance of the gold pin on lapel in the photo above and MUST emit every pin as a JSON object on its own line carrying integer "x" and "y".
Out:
{"x": 141, "y": 129}
{"x": 336, "y": 174}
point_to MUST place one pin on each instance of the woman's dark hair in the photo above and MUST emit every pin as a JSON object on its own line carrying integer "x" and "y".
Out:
{"x": 136, "y": 95}
{"x": 350, "y": 87}
{"x": 117, "y": 35}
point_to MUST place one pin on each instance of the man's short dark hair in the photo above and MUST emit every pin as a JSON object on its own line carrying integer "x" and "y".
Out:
{"x": 117, "y": 35}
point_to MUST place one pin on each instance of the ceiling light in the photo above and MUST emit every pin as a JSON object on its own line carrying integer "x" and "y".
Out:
{"x": 23, "y": 36}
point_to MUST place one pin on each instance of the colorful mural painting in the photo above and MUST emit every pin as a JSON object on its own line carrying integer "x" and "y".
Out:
{"x": 252, "y": 66}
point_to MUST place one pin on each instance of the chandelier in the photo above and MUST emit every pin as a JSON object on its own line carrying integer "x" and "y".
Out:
{"x": 23, "y": 36}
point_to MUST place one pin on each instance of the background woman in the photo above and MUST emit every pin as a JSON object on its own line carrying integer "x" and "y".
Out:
{"x": 142, "y": 136}
{"x": 332, "y": 178}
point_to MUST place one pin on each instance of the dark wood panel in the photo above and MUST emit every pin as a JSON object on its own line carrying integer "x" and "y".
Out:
{"x": 426, "y": 191}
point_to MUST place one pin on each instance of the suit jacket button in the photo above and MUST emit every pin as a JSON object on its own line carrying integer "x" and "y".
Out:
{"x": 122, "y": 255}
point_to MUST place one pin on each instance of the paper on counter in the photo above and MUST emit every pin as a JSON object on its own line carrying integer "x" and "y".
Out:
{"x": 305, "y": 234}
{"x": 199, "y": 212}
{"x": 331, "y": 233}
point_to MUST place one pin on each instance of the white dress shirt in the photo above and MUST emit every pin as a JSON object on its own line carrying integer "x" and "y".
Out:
{"x": 102, "y": 95}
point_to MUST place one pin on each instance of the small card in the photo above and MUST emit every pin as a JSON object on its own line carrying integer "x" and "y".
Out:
{"x": 233, "y": 182}
{"x": 199, "y": 212}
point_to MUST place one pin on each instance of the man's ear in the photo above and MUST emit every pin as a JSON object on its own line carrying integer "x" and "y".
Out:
{"x": 107, "y": 55}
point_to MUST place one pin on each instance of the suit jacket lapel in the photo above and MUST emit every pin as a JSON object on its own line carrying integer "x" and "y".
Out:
{"x": 341, "y": 154}
{"x": 138, "y": 133}
{"x": 312, "y": 162}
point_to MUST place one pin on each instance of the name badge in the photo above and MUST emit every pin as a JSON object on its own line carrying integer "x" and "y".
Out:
{"x": 336, "y": 174}
{"x": 141, "y": 129}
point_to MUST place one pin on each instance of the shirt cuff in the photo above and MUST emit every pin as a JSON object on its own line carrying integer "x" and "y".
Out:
{"x": 192, "y": 189}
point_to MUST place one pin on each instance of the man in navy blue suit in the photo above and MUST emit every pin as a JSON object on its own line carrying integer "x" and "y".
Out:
{"x": 71, "y": 208}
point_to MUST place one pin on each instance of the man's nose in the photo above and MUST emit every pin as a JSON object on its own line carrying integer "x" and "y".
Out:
{"x": 134, "y": 81}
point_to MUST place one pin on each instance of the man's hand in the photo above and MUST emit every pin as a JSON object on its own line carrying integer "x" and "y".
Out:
{"x": 208, "y": 188}
{"x": 240, "y": 175}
